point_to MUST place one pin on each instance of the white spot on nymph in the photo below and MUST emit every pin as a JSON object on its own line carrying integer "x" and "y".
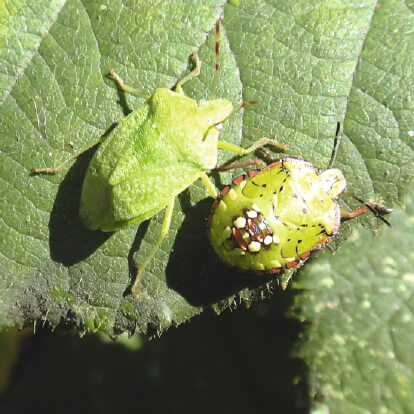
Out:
{"x": 222, "y": 206}
{"x": 268, "y": 240}
{"x": 232, "y": 194}
{"x": 251, "y": 214}
{"x": 227, "y": 232}
{"x": 240, "y": 222}
{"x": 254, "y": 246}
{"x": 260, "y": 266}
{"x": 238, "y": 252}
{"x": 246, "y": 236}
{"x": 275, "y": 239}
{"x": 275, "y": 263}
{"x": 262, "y": 226}
{"x": 256, "y": 207}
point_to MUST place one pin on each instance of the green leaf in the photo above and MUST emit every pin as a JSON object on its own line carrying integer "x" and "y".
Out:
{"x": 310, "y": 65}
{"x": 358, "y": 346}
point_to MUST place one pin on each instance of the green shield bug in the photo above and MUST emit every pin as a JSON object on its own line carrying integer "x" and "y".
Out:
{"x": 271, "y": 219}
{"x": 155, "y": 153}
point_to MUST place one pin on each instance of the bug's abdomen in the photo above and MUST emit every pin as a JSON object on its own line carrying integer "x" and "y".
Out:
{"x": 271, "y": 219}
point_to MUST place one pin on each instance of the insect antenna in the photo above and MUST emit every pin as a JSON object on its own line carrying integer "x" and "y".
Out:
{"x": 239, "y": 108}
{"x": 378, "y": 210}
{"x": 219, "y": 125}
{"x": 335, "y": 147}
{"x": 215, "y": 78}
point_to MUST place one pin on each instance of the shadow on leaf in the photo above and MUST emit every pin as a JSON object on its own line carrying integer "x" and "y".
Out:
{"x": 70, "y": 242}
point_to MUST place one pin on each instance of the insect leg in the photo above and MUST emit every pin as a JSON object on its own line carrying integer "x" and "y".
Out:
{"x": 209, "y": 185}
{"x": 377, "y": 209}
{"x": 59, "y": 168}
{"x": 226, "y": 146}
{"x": 242, "y": 164}
{"x": 164, "y": 231}
{"x": 125, "y": 88}
{"x": 193, "y": 74}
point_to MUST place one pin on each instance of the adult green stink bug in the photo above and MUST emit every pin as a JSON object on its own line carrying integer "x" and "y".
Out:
{"x": 155, "y": 153}
{"x": 273, "y": 218}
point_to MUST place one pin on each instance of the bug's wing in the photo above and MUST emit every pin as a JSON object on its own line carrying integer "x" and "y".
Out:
{"x": 119, "y": 143}
{"x": 96, "y": 197}
{"x": 149, "y": 191}
{"x": 268, "y": 182}
{"x": 300, "y": 240}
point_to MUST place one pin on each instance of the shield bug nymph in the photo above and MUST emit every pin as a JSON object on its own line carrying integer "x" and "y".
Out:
{"x": 271, "y": 219}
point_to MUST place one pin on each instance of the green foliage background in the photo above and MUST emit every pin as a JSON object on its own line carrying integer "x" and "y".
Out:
{"x": 310, "y": 64}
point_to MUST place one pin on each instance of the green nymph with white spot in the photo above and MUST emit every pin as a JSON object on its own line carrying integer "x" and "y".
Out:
{"x": 273, "y": 218}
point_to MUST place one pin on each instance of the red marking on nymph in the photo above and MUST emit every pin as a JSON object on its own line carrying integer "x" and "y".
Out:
{"x": 225, "y": 190}
{"x": 305, "y": 255}
{"x": 291, "y": 264}
{"x": 326, "y": 240}
{"x": 254, "y": 230}
{"x": 275, "y": 270}
{"x": 252, "y": 173}
{"x": 262, "y": 220}
{"x": 238, "y": 180}
{"x": 215, "y": 204}
{"x": 239, "y": 239}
